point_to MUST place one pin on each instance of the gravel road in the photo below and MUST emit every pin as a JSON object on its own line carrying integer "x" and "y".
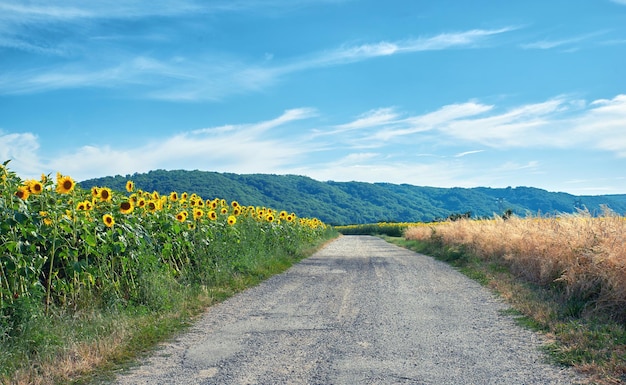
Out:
{"x": 359, "y": 311}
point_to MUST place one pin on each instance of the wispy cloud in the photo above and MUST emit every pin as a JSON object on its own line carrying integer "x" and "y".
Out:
{"x": 562, "y": 122}
{"x": 386, "y": 124}
{"x": 42, "y": 26}
{"x": 190, "y": 78}
{"x": 567, "y": 42}
{"x": 354, "y": 53}
{"x": 465, "y": 153}
{"x": 235, "y": 148}
{"x": 22, "y": 149}
{"x": 375, "y": 118}
{"x": 287, "y": 144}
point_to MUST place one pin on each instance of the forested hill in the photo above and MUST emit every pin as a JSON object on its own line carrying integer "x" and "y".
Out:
{"x": 359, "y": 202}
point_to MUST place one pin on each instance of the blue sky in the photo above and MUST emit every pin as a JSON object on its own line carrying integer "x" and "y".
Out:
{"x": 433, "y": 93}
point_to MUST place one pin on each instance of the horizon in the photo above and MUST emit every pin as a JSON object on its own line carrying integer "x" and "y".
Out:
{"x": 447, "y": 94}
{"x": 130, "y": 177}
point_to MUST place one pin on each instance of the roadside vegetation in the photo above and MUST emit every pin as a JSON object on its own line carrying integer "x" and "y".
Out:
{"x": 391, "y": 229}
{"x": 91, "y": 278}
{"x": 564, "y": 276}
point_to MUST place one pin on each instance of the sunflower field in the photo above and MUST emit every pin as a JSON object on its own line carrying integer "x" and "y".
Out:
{"x": 63, "y": 247}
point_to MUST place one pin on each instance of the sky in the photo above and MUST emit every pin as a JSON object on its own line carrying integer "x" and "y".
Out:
{"x": 447, "y": 93}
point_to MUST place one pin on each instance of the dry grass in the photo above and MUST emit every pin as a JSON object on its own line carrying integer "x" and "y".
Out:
{"x": 566, "y": 275}
{"x": 582, "y": 256}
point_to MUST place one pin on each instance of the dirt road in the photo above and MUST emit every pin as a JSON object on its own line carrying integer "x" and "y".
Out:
{"x": 360, "y": 311}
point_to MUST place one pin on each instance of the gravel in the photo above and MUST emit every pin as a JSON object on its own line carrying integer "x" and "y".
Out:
{"x": 359, "y": 311}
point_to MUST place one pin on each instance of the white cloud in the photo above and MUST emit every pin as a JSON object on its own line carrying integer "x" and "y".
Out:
{"x": 602, "y": 126}
{"x": 386, "y": 124}
{"x": 21, "y": 150}
{"x": 377, "y": 117}
{"x": 549, "y": 44}
{"x": 287, "y": 144}
{"x": 523, "y": 126}
{"x": 255, "y": 129}
{"x": 435, "y": 119}
{"x": 190, "y": 78}
{"x": 561, "y": 122}
{"x": 355, "y": 53}
{"x": 242, "y": 148}
{"x": 465, "y": 153}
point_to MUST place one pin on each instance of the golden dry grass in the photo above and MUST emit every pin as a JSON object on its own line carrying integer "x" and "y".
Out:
{"x": 583, "y": 256}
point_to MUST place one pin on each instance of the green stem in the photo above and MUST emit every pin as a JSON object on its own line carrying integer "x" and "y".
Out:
{"x": 49, "y": 283}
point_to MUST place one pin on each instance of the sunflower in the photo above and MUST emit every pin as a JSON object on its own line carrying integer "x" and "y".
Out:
{"x": 269, "y": 217}
{"x": 95, "y": 191}
{"x": 130, "y": 186}
{"x": 232, "y": 220}
{"x": 214, "y": 204}
{"x": 152, "y": 206}
{"x": 224, "y": 210}
{"x": 181, "y": 216}
{"x": 237, "y": 211}
{"x": 105, "y": 194}
{"x": 197, "y": 214}
{"x": 235, "y": 204}
{"x": 46, "y": 221}
{"x": 34, "y": 186}
{"x": 212, "y": 215}
{"x": 108, "y": 220}
{"x": 81, "y": 206}
{"x": 173, "y": 196}
{"x": 184, "y": 196}
{"x": 126, "y": 207}
{"x": 141, "y": 202}
{"x": 22, "y": 192}
{"x": 65, "y": 184}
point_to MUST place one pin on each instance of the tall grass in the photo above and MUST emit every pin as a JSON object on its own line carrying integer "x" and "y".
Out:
{"x": 580, "y": 256}
{"x": 565, "y": 275}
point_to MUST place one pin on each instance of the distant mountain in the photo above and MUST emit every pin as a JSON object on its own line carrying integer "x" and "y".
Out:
{"x": 359, "y": 202}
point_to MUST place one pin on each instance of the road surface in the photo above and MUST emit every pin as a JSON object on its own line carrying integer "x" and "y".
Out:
{"x": 359, "y": 311}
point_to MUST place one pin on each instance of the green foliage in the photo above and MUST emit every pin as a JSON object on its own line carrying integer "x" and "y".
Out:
{"x": 389, "y": 229}
{"x": 65, "y": 250}
{"x": 342, "y": 203}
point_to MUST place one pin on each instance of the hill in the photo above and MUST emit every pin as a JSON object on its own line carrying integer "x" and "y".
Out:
{"x": 360, "y": 202}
